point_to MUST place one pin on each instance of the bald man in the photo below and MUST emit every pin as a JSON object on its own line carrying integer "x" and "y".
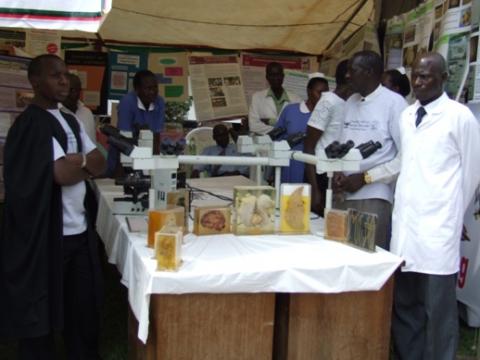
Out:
{"x": 440, "y": 142}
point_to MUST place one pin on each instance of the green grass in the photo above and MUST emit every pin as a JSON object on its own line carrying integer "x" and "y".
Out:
{"x": 113, "y": 341}
{"x": 114, "y": 325}
{"x": 467, "y": 347}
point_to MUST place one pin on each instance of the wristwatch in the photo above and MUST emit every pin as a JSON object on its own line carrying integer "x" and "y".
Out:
{"x": 367, "y": 178}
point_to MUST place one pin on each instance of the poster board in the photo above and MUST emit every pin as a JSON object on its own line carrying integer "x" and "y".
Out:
{"x": 15, "y": 90}
{"x": 90, "y": 66}
{"x": 217, "y": 87}
{"x": 393, "y": 42}
{"x": 171, "y": 70}
{"x": 417, "y": 34}
{"x": 296, "y": 82}
{"x": 253, "y": 70}
{"x": 38, "y": 42}
{"x": 445, "y": 26}
{"x": 121, "y": 70}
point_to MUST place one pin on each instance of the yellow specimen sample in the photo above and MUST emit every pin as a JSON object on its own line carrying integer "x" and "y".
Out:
{"x": 168, "y": 248}
{"x": 295, "y": 210}
{"x": 336, "y": 225}
{"x": 212, "y": 220}
{"x": 157, "y": 219}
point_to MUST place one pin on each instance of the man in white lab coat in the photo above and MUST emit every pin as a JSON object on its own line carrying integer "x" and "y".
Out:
{"x": 266, "y": 105}
{"x": 440, "y": 143}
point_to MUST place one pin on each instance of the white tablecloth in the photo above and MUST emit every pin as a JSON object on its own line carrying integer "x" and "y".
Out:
{"x": 237, "y": 264}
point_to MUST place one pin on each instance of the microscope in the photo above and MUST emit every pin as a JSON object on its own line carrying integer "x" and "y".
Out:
{"x": 158, "y": 173}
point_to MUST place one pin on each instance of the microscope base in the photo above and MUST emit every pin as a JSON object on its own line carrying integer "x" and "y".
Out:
{"x": 123, "y": 206}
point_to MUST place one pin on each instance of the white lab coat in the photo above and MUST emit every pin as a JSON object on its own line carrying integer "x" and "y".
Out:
{"x": 263, "y": 107}
{"x": 440, "y": 171}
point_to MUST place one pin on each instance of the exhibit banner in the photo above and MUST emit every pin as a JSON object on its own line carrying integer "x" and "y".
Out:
{"x": 81, "y": 15}
{"x": 90, "y": 67}
{"x": 217, "y": 87}
{"x": 121, "y": 70}
{"x": 468, "y": 291}
{"x": 172, "y": 74}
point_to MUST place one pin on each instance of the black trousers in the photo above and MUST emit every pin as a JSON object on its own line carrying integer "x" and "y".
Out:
{"x": 81, "y": 328}
{"x": 425, "y": 319}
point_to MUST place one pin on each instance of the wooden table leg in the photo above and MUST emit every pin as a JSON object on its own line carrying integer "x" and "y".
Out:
{"x": 207, "y": 326}
{"x": 346, "y": 326}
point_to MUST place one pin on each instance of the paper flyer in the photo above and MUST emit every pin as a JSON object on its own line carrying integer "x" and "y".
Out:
{"x": 172, "y": 74}
{"x": 217, "y": 87}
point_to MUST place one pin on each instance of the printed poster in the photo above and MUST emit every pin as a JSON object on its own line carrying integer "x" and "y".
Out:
{"x": 393, "y": 42}
{"x": 122, "y": 69}
{"x": 90, "y": 68}
{"x": 38, "y": 42}
{"x": 15, "y": 90}
{"x": 296, "y": 82}
{"x": 418, "y": 30}
{"x": 253, "y": 69}
{"x": 172, "y": 74}
{"x": 12, "y": 38}
{"x": 217, "y": 87}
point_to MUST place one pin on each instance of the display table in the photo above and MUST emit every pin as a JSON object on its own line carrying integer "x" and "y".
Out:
{"x": 221, "y": 304}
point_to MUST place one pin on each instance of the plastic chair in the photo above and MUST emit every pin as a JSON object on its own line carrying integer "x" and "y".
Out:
{"x": 198, "y": 139}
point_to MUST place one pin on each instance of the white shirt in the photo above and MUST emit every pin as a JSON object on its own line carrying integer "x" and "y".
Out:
{"x": 386, "y": 172}
{"x": 263, "y": 107}
{"x": 328, "y": 116}
{"x": 375, "y": 118}
{"x": 140, "y": 105}
{"x": 85, "y": 116}
{"x": 74, "y": 221}
{"x": 439, "y": 174}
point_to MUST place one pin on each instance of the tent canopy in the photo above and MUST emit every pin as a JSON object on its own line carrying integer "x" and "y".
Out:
{"x": 307, "y": 26}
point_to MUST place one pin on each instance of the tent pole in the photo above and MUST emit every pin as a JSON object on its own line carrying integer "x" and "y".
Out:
{"x": 359, "y": 7}
{"x": 99, "y": 43}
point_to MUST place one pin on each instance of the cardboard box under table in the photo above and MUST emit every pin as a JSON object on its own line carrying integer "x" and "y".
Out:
{"x": 255, "y": 297}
